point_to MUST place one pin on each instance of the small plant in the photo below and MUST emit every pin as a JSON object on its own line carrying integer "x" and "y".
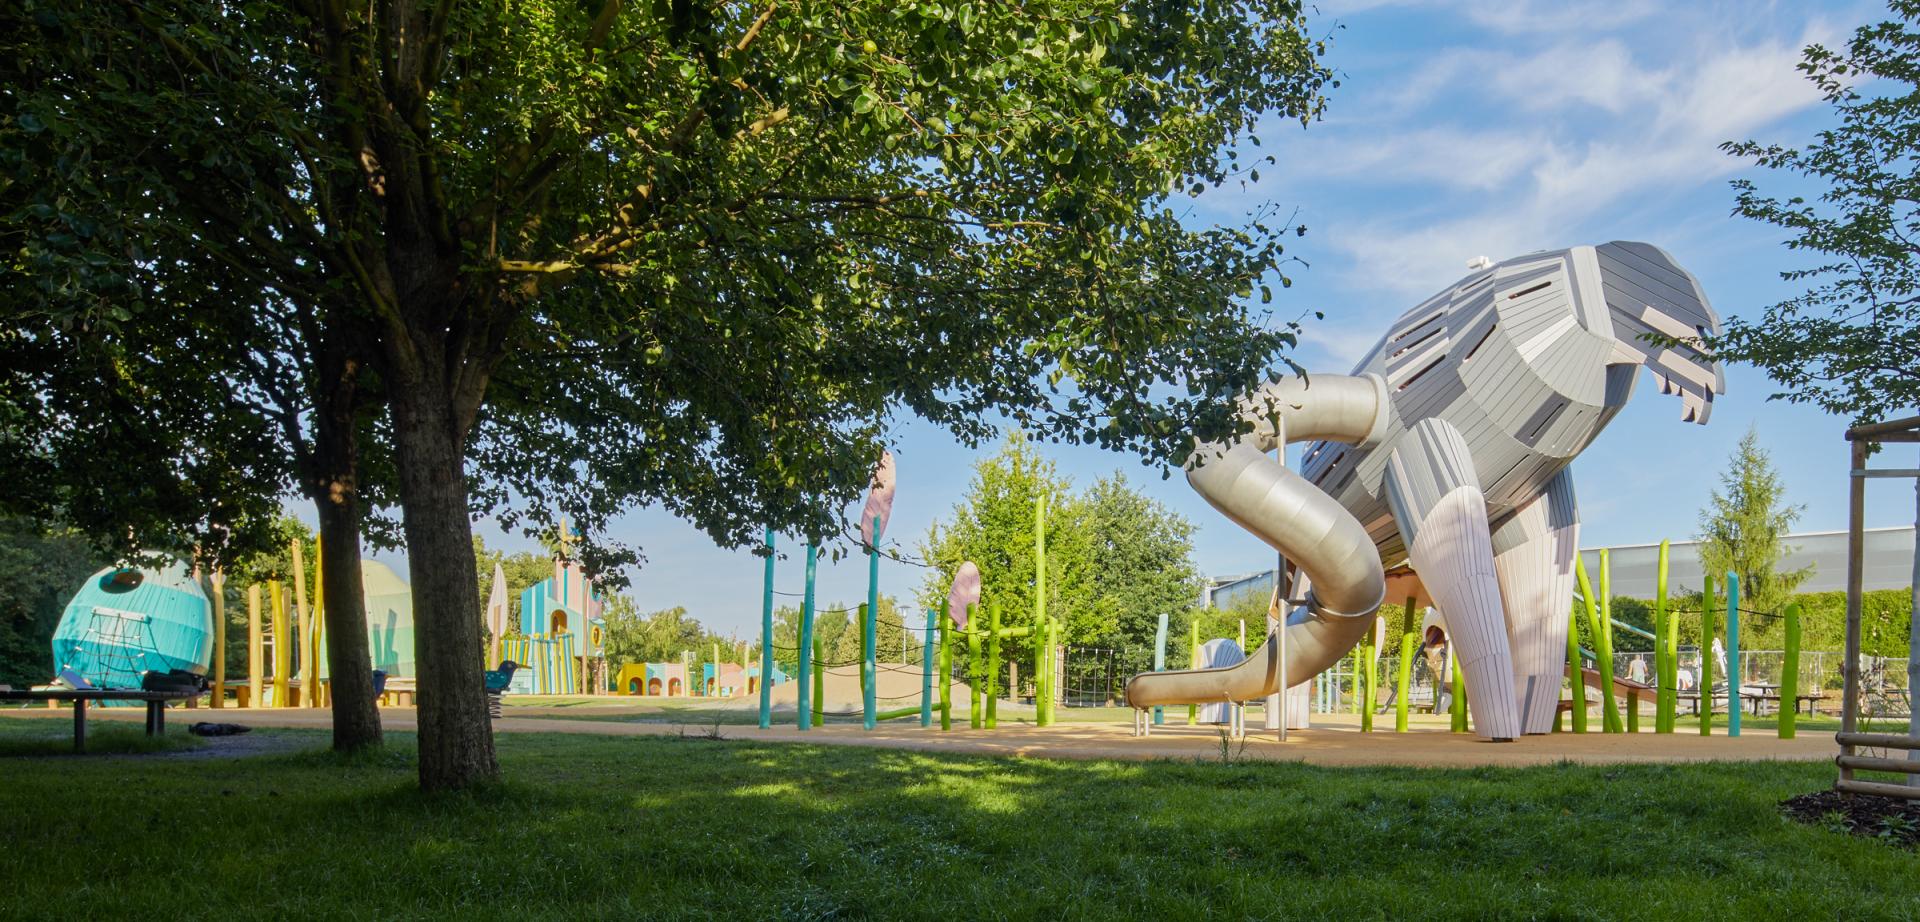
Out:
{"x": 1896, "y": 828}
{"x": 1835, "y": 821}
{"x": 1231, "y": 750}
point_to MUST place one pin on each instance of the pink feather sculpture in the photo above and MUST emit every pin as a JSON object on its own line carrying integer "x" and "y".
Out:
{"x": 965, "y": 592}
{"x": 879, "y": 500}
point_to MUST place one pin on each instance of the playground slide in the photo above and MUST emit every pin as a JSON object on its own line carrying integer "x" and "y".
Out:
{"x": 1301, "y": 521}
{"x": 1621, "y": 686}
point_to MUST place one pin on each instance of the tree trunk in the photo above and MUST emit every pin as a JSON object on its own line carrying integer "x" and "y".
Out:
{"x": 335, "y": 489}
{"x": 456, "y": 735}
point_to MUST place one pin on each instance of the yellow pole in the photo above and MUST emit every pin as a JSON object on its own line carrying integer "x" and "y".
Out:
{"x": 319, "y": 645}
{"x": 254, "y": 657}
{"x": 282, "y": 656}
{"x": 219, "y": 584}
{"x": 309, "y": 672}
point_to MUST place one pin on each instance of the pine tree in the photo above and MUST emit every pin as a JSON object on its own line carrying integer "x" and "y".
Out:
{"x": 1741, "y": 528}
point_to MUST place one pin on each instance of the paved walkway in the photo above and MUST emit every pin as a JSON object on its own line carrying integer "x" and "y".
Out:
{"x": 1335, "y": 739}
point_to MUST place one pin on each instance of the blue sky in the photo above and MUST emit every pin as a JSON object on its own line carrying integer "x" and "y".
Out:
{"x": 1463, "y": 129}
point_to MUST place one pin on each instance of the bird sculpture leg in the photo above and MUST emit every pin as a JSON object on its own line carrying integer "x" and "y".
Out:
{"x": 1436, "y": 500}
{"x": 1533, "y": 553}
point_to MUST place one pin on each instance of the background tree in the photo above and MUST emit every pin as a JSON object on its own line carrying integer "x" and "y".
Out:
{"x": 683, "y": 253}
{"x": 1116, "y": 559}
{"x": 1140, "y": 559}
{"x": 1851, "y": 343}
{"x": 1740, "y": 529}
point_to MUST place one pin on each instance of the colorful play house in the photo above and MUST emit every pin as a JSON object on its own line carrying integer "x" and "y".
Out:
{"x": 125, "y": 621}
{"x": 733, "y": 680}
{"x": 562, "y": 636}
{"x": 653, "y": 679}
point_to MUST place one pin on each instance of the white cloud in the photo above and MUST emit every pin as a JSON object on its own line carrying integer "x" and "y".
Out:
{"x": 1516, "y": 16}
{"x": 1603, "y": 125}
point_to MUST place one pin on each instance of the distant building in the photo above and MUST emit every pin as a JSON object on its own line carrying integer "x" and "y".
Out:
{"x": 1888, "y": 559}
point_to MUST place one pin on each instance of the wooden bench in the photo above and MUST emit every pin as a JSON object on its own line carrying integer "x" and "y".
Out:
{"x": 156, "y": 704}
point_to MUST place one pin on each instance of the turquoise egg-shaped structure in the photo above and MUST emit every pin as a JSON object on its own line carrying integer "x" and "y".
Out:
{"x": 125, "y": 621}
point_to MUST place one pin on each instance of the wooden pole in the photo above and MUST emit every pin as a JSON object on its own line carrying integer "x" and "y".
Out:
{"x": 319, "y": 645}
{"x": 1856, "y": 549}
{"x": 282, "y": 655}
{"x": 1913, "y": 643}
{"x": 219, "y": 583}
{"x": 309, "y": 664}
{"x": 256, "y": 667}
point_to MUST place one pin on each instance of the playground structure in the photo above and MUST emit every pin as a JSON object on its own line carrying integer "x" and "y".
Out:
{"x": 1450, "y": 442}
{"x": 124, "y": 622}
{"x": 562, "y": 635}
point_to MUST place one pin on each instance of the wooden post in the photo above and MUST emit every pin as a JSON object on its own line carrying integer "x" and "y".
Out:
{"x": 309, "y": 664}
{"x": 1856, "y": 548}
{"x": 256, "y": 668}
{"x": 282, "y": 655}
{"x": 219, "y": 583}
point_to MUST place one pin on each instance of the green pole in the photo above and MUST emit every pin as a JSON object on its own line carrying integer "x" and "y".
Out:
{"x": 1369, "y": 661}
{"x": 819, "y": 681}
{"x": 1043, "y": 678}
{"x": 992, "y": 690}
{"x": 804, "y": 673}
{"x": 766, "y": 642}
{"x": 1574, "y": 673}
{"x": 973, "y": 672}
{"x": 1606, "y": 635}
{"x": 869, "y": 676}
{"x": 1672, "y": 682}
{"x": 1160, "y": 664}
{"x": 946, "y": 668}
{"x": 1707, "y": 631}
{"x": 1193, "y": 662}
{"x": 926, "y": 671}
{"x": 1662, "y": 655}
{"x": 1459, "y": 699}
{"x": 1603, "y": 660}
{"x": 1733, "y": 653}
{"x": 1790, "y": 673}
{"x": 1053, "y": 670}
{"x": 1404, "y": 681}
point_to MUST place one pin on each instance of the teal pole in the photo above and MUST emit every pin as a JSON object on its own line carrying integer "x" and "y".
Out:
{"x": 868, "y": 674}
{"x": 1160, "y": 665}
{"x": 805, "y": 675}
{"x": 926, "y": 672}
{"x": 766, "y": 642}
{"x": 1733, "y": 653}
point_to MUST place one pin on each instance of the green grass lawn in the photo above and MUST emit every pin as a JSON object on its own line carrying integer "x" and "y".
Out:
{"x": 653, "y": 827}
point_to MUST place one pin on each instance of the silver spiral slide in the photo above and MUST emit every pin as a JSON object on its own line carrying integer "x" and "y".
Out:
{"x": 1301, "y": 521}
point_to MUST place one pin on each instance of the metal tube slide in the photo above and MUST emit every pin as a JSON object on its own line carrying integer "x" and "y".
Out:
{"x": 1301, "y": 521}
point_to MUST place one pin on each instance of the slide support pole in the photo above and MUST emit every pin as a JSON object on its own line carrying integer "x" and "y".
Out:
{"x": 1459, "y": 699}
{"x": 1193, "y": 662}
{"x": 974, "y": 714}
{"x": 219, "y": 583}
{"x": 1160, "y": 664}
{"x": 256, "y": 667}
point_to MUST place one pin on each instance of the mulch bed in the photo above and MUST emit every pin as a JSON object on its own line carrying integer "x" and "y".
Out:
{"x": 1890, "y": 819}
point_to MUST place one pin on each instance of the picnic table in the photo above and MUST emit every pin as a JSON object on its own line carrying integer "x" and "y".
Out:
{"x": 156, "y": 704}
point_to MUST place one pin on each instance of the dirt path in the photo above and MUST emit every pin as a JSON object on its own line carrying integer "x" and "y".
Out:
{"x": 1335, "y": 740}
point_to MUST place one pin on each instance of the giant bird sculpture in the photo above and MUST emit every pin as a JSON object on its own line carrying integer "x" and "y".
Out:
{"x": 1447, "y": 450}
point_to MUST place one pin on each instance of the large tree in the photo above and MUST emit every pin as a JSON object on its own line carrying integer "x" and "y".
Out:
{"x": 1742, "y": 524}
{"x": 1851, "y": 342}
{"x": 688, "y": 253}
